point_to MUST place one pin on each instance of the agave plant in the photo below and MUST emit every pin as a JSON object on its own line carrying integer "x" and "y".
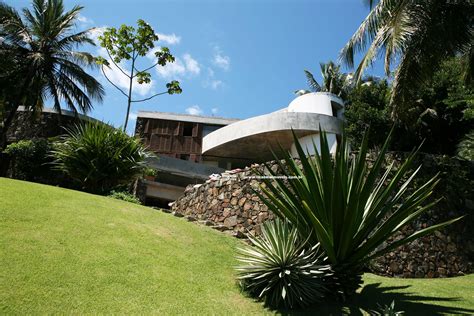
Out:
{"x": 348, "y": 205}
{"x": 99, "y": 157}
{"x": 281, "y": 269}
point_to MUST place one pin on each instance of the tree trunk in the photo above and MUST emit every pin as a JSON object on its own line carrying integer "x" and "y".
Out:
{"x": 129, "y": 103}
{"x": 4, "y": 158}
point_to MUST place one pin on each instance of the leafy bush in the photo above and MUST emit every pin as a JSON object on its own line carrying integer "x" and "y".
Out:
{"x": 124, "y": 196}
{"x": 30, "y": 159}
{"x": 466, "y": 147}
{"x": 99, "y": 157}
{"x": 348, "y": 205}
{"x": 281, "y": 269}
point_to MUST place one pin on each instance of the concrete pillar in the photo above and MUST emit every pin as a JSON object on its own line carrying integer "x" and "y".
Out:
{"x": 307, "y": 143}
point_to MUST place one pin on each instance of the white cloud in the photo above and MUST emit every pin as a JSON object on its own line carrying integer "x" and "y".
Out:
{"x": 84, "y": 20}
{"x": 170, "y": 39}
{"x": 214, "y": 110}
{"x": 194, "y": 110}
{"x": 211, "y": 82}
{"x": 220, "y": 60}
{"x": 96, "y": 32}
{"x": 215, "y": 84}
{"x": 133, "y": 116}
{"x": 117, "y": 77}
{"x": 191, "y": 64}
{"x": 187, "y": 66}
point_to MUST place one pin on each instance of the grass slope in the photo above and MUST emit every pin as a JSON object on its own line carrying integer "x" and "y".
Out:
{"x": 64, "y": 251}
{"x": 71, "y": 252}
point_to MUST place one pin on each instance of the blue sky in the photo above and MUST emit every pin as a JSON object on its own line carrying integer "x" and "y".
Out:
{"x": 234, "y": 58}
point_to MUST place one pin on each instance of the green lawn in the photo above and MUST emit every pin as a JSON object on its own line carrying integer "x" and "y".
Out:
{"x": 64, "y": 251}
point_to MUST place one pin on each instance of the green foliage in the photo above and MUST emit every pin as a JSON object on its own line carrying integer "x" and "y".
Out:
{"x": 334, "y": 81}
{"x": 30, "y": 159}
{"x": 126, "y": 44}
{"x": 440, "y": 117}
{"x": 366, "y": 106}
{"x": 124, "y": 196}
{"x": 466, "y": 147}
{"x": 150, "y": 172}
{"x": 99, "y": 157}
{"x": 417, "y": 37}
{"x": 40, "y": 61}
{"x": 281, "y": 269}
{"x": 348, "y": 205}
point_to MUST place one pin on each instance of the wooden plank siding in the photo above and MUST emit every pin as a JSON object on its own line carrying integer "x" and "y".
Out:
{"x": 167, "y": 138}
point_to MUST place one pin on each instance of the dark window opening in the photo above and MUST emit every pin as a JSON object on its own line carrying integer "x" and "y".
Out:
{"x": 184, "y": 157}
{"x": 188, "y": 129}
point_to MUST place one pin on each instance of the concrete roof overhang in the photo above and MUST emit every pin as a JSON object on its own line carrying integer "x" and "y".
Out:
{"x": 252, "y": 139}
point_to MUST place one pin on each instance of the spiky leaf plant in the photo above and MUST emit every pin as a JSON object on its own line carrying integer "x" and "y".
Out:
{"x": 280, "y": 267}
{"x": 99, "y": 157}
{"x": 348, "y": 205}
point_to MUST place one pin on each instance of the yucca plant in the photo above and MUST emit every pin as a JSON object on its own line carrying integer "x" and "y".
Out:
{"x": 99, "y": 157}
{"x": 281, "y": 269}
{"x": 347, "y": 204}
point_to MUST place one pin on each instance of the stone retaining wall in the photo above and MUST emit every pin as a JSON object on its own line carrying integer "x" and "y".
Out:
{"x": 230, "y": 204}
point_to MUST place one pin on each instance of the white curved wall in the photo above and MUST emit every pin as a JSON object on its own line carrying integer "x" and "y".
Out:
{"x": 307, "y": 143}
{"x": 316, "y": 102}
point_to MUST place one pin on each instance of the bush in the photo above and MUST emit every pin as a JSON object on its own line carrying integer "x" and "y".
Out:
{"x": 124, "y": 196}
{"x": 281, "y": 269}
{"x": 30, "y": 160}
{"x": 99, "y": 157}
{"x": 466, "y": 147}
{"x": 348, "y": 205}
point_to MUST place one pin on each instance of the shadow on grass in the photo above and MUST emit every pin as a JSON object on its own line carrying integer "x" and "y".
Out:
{"x": 373, "y": 295}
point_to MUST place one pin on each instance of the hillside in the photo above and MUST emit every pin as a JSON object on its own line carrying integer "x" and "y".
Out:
{"x": 63, "y": 251}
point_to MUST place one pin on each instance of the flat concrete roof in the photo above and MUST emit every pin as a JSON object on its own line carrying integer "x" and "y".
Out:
{"x": 212, "y": 120}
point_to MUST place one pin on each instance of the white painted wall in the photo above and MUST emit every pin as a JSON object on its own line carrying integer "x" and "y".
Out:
{"x": 307, "y": 143}
{"x": 315, "y": 102}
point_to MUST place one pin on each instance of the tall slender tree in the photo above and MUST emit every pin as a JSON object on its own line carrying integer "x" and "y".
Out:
{"x": 124, "y": 47}
{"x": 39, "y": 61}
{"x": 416, "y": 35}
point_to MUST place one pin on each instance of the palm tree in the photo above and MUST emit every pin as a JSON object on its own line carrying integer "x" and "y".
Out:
{"x": 417, "y": 36}
{"x": 40, "y": 61}
{"x": 334, "y": 80}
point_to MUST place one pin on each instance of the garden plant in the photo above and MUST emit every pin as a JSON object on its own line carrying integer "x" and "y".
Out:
{"x": 348, "y": 205}
{"x": 99, "y": 157}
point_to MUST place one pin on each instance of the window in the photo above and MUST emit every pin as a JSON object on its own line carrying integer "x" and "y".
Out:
{"x": 188, "y": 129}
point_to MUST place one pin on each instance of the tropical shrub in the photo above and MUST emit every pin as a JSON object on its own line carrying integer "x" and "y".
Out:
{"x": 30, "y": 159}
{"x": 124, "y": 196}
{"x": 280, "y": 267}
{"x": 348, "y": 205}
{"x": 99, "y": 157}
{"x": 466, "y": 147}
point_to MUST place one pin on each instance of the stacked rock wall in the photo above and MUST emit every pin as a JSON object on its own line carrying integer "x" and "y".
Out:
{"x": 229, "y": 203}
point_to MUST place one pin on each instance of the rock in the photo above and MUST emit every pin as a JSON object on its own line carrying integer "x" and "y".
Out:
{"x": 442, "y": 272}
{"x": 230, "y": 221}
{"x": 394, "y": 267}
{"x": 190, "y": 218}
{"x": 220, "y": 228}
{"x": 177, "y": 214}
